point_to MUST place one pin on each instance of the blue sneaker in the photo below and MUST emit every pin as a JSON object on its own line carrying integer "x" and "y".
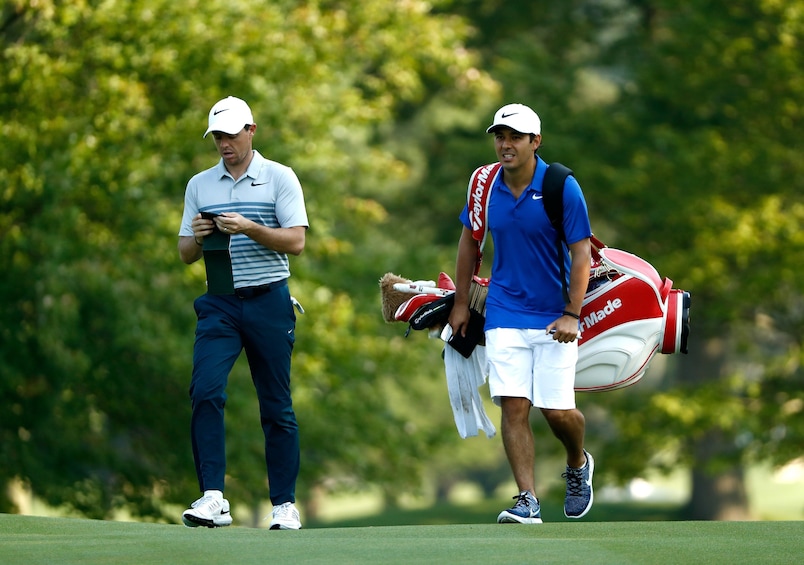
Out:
{"x": 579, "y": 489}
{"x": 525, "y": 511}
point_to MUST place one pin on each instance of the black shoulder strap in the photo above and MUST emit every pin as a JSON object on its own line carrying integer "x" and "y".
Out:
{"x": 553, "y": 194}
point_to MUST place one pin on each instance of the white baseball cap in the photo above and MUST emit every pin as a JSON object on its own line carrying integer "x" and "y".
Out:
{"x": 229, "y": 115}
{"x": 518, "y": 117}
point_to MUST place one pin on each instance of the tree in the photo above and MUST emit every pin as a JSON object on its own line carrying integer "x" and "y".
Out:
{"x": 103, "y": 105}
{"x": 380, "y": 109}
{"x": 687, "y": 156}
{"x": 681, "y": 124}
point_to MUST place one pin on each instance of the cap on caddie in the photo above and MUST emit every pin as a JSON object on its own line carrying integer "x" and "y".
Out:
{"x": 229, "y": 115}
{"x": 518, "y": 117}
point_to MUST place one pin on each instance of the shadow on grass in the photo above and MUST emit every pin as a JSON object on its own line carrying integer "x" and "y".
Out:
{"x": 486, "y": 512}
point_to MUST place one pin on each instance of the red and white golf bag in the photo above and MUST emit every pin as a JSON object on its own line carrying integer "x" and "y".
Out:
{"x": 629, "y": 314}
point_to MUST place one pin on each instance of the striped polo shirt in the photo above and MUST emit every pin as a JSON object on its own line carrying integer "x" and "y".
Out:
{"x": 269, "y": 193}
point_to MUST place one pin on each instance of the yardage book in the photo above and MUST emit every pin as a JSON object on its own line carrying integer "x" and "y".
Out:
{"x": 218, "y": 263}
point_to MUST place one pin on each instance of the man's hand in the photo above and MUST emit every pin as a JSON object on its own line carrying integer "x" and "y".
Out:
{"x": 564, "y": 329}
{"x": 232, "y": 223}
{"x": 202, "y": 227}
{"x": 459, "y": 319}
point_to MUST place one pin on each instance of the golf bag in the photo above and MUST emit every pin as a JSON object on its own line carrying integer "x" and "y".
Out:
{"x": 629, "y": 314}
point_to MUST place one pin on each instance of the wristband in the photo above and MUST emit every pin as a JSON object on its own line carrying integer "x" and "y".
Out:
{"x": 570, "y": 314}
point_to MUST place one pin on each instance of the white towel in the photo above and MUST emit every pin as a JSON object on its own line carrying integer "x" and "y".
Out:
{"x": 464, "y": 377}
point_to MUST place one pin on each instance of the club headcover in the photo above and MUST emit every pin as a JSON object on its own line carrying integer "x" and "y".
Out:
{"x": 432, "y": 314}
{"x": 407, "y": 309}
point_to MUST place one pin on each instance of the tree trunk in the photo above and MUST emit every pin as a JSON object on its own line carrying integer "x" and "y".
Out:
{"x": 718, "y": 490}
{"x": 719, "y": 495}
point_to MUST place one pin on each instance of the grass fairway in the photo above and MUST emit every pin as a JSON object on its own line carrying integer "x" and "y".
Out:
{"x": 57, "y": 541}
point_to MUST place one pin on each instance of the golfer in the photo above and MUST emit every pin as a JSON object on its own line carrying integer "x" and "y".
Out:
{"x": 260, "y": 205}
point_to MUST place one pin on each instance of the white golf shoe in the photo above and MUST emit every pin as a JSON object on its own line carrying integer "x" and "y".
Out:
{"x": 209, "y": 511}
{"x": 285, "y": 517}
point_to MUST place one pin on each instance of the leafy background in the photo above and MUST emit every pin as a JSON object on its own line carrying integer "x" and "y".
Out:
{"x": 681, "y": 122}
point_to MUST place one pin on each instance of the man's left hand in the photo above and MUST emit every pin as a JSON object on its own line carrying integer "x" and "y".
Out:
{"x": 231, "y": 223}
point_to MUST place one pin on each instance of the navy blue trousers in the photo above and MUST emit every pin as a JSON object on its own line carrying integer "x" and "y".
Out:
{"x": 265, "y": 327}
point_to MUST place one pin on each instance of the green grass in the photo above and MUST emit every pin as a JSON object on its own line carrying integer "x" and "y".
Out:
{"x": 485, "y": 512}
{"x": 56, "y": 541}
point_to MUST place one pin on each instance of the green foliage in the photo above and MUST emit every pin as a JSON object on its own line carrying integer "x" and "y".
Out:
{"x": 681, "y": 121}
{"x": 695, "y": 161}
{"x": 717, "y": 149}
{"x": 104, "y": 106}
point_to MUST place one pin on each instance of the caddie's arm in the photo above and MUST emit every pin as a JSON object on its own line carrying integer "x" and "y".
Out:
{"x": 464, "y": 270}
{"x": 566, "y": 326}
{"x": 580, "y": 267}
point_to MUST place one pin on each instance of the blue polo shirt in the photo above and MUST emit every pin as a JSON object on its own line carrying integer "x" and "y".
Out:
{"x": 269, "y": 193}
{"x": 525, "y": 288}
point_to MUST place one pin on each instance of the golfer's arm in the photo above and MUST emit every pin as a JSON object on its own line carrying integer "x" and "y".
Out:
{"x": 284, "y": 240}
{"x": 189, "y": 250}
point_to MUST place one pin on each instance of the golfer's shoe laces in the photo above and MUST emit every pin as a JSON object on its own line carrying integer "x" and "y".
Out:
{"x": 580, "y": 495}
{"x": 526, "y": 510}
{"x": 285, "y": 516}
{"x": 209, "y": 511}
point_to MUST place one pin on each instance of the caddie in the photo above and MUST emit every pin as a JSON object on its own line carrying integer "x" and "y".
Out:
{"x": 531, "y": 332}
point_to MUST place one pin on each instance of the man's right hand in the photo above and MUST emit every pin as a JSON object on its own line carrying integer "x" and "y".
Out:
{"x": 202, "y": 227}
{"x": 459, "y": 319}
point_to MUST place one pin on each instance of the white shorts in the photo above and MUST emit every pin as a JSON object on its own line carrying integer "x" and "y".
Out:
{"x": 531, "y": 364}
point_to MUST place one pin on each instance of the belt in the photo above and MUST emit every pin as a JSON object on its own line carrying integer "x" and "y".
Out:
{"x": 247, "y": 292}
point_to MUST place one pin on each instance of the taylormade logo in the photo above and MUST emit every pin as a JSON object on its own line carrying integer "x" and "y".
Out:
{"x": 476, "y": 216}
{"x": 428, "y": 312}
{"x": 595, "y": 317}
